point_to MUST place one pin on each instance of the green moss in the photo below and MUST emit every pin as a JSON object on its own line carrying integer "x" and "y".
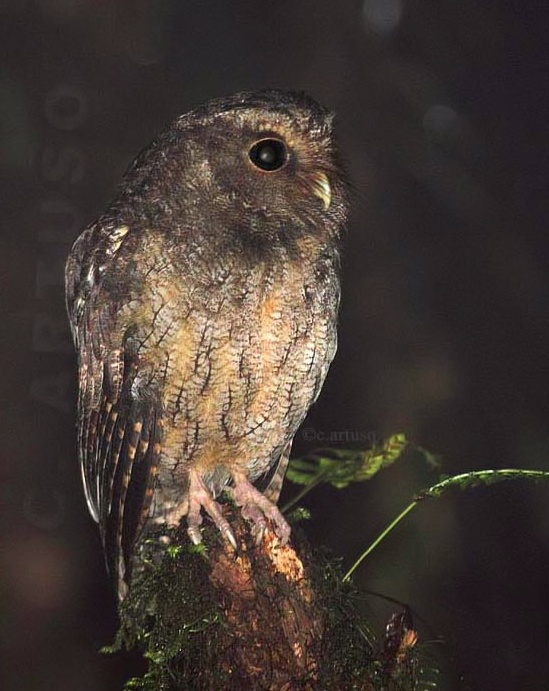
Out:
{"x": 173, "y": 616}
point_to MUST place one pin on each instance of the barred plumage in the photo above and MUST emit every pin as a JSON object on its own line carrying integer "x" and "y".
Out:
{"x": 203, "y": 307}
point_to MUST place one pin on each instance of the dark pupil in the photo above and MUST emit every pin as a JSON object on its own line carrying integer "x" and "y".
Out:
{"x": 269, "y": 154}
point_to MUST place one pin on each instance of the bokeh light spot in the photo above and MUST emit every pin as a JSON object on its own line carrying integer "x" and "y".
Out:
{"x": 440, "y": 121}
{"x": 382, "y": 16}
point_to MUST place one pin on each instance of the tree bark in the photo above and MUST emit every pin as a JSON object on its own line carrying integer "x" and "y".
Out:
{"x": 269, "y": 617}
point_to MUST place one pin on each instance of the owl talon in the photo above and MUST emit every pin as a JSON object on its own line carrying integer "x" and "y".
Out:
{"x": 259, "y": 534}
{"x": 256, "y": 508}
{"x": 200, "y": 498}
{"x": 193, "y": 532}
{"x": 252, "y": 513}
{"x": 229, "y": 536}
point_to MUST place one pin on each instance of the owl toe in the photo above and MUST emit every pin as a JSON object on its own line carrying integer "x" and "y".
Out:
{"x": 256, "y": 508}
{"x": 200, "y": 498}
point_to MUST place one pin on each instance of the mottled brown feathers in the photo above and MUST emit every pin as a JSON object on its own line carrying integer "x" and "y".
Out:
{"x": 203, "y": 307}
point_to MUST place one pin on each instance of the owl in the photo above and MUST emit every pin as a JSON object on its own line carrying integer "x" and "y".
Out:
{"x": 203, "y": 307}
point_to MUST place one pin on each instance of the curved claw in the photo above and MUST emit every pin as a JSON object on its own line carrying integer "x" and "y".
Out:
{"x": 228, "y": 534}
{"x": 253, "y": 513}
{"x": 194, "y": 533}
{"x": 256, "y": 508}
{"x": 200, "y": 497}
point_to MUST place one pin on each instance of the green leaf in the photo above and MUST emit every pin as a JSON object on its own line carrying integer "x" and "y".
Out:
{"x": 463, "y": 481}
{"x": 341, "y": 467}
{"x": 481, "y": 477}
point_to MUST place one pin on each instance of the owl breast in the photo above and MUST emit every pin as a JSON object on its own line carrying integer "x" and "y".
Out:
{"x": 238, "y": 354}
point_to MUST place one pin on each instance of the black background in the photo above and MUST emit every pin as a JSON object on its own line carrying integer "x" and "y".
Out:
{"x": 441, "y": 114}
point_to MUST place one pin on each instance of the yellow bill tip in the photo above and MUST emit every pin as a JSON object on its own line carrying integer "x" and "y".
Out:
{"x": 322, "y": 189}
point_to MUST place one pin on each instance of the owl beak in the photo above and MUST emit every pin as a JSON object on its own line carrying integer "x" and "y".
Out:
{"x": 322, "y": 189}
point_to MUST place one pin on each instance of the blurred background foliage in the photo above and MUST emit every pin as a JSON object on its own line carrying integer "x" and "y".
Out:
{"x": 442, "y": 122}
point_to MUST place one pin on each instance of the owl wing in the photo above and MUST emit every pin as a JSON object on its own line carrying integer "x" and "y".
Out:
{"x": 118, "y": 435}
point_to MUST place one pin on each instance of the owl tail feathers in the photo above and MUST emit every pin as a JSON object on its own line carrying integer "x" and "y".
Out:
{"x": 131, "y": 490}
{"x": 274, "y": 486}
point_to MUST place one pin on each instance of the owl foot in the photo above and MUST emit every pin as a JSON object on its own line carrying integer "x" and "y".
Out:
{"x": 200, "y": 497}
{"x": 256, "y": 508}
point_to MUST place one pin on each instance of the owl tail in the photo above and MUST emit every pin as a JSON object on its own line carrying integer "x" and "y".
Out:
{"x": 275, "y": 482}
{"x": 134, "y": 457}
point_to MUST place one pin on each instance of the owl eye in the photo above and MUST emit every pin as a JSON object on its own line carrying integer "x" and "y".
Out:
{"x": 268, "y": 154}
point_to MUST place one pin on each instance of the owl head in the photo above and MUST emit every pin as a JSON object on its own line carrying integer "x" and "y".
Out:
{"x": 256, "y": 168}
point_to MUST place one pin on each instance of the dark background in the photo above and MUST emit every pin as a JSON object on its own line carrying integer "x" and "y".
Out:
{"x": 442, "y": 110}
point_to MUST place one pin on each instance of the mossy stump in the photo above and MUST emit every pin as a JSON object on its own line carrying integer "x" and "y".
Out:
{"x": 267, "y": 617}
